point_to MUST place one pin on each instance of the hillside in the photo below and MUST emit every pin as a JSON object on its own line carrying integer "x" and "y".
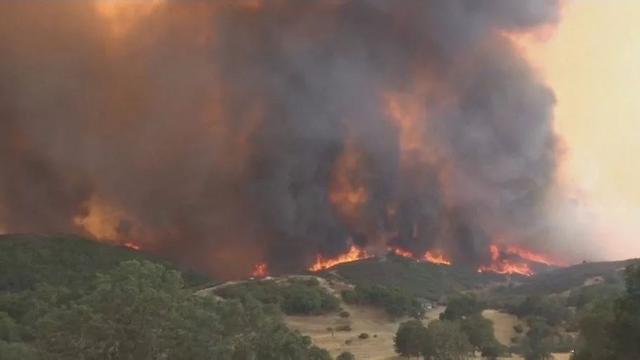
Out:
{"x": 422, "y": 279}
{"x": 433, "y": 282}
{"x": 64, "y": 297}
{"x": 64, "y": 260}
{"x": 562, "y": 280}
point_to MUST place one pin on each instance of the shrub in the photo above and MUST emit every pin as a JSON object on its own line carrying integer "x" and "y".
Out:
{"x": 518, "y": 329}
{"x": 550, "y": 309}
{"x": 461, "y": 306}
{"x": 346, "y": 327}
{"x": 344, "y": 314}
{"x": 302, "y": 297}
{"x": 346, "y": 356}
{"x": 363, "y": 336}
{"x": 349, "y": 296}
{"x": 394, "y": 301}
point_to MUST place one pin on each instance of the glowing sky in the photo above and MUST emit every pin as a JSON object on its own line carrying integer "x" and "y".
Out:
{"x": 592, "y": 61}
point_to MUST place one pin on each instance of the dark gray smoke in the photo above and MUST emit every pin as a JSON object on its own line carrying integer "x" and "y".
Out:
{"x": 210, "y": 131}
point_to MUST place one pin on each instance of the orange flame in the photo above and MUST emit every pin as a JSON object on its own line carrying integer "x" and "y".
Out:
{"x": 400, "y": 252}
{"x": 260, "y": 270}
{"x": 132, "y": 246}
{"x": 532, "y": 256}
{"x": 505, "y": 266}
{"x": 354, "y": 253}
{"x": 436, "y": 257}
{"x": 101, "y": 219}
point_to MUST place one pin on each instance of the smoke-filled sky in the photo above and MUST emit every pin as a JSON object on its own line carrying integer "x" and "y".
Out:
{"x": 223, "y": 134}
{"x": 592, "y": 62}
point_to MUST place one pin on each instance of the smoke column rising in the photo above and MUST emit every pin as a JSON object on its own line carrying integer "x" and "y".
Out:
{"x": 227, "y": 133}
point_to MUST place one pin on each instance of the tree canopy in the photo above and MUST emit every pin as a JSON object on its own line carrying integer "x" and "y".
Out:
{"x": 142, "y": 310}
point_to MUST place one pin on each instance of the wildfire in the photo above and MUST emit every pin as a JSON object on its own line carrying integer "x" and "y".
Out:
{"x": 532, "y": 256}
{"x": 436, "y": 257}
{"x": 400, "y": 252}
{"x": 101, "y": 220}
{"x": 501, "y": 265}
{"x": 354, "y": 253}
{"x": 260, "y": 270}
{"x": 132, "y": 246}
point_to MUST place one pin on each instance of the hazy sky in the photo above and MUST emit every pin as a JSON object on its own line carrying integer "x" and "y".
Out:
{"x": 592, "y": 61}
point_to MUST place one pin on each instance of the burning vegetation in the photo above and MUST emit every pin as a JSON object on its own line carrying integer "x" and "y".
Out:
{"x": 437, "y": 257}
{"x": 353, "y": 254}
{"x": 289, "y": 134}
{"x": 260, "y": 270}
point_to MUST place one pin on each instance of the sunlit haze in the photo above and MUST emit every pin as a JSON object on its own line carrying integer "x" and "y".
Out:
{"x": 592, "y": 62}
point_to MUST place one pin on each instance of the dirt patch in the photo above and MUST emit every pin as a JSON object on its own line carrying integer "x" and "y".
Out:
{"x": 364, "y": 319}
{"x": 503, "y": 325}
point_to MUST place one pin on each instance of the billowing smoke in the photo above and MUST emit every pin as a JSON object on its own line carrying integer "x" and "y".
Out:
{"x": 225, "y": 133}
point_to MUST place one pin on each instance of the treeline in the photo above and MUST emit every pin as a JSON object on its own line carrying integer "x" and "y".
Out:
{"x": 293, "y": 296}
{"x": 605, "y": 316}
{"x": 609, "y": 325}
{"x": 460, "y": 332}
{"x": 142, "y": 310}
{"x": 394, "y": 301}
{"x": 66, "y": 260}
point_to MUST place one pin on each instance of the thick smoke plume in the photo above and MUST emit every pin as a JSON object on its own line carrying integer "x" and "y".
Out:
{"x": 225, "y": 133}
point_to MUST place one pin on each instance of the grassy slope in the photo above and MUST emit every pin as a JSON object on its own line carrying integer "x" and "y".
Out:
{"x": 61, "y": 260}
{"x": 433, "y": 281}
{"x": 561, "y": 280}
{"x": 422, "y": 279}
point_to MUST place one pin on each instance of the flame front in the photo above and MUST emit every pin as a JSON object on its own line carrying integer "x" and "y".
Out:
{"x": 532, "y": 256}
{"x": 354, "y": 253}
{"x": 132, "y": 246}
{"x": 501, "y": 265}
{"x": 101, "y": 220}
{"x": 400, "y": 252}
{"x": 436, "y": 257}
{"x": 260, "y": 270}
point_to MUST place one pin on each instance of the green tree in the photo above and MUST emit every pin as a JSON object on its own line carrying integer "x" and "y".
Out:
{"x": 595, "y": 324}
{"x": 139, "y": 310}
{"x": 346, "y": 356}
{"x": 315, "y": 353}
{"x": 410, "y": 338}
{"x": 480, "y": 333}
{"x": 538, "y": 343}
{"x": 626, "y": 323}
{"x": 445, "y": 340}
{"x": 461, "y": 306}
{"x": 9, "y": 330}
{"x": 550, "y": 309}
{"x": 610, "y": 329}
{"x": 17, "y": 351}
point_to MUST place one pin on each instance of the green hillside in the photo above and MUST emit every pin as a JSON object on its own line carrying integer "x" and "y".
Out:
{"x": 64, "y": 260}
{"x": 67, "y": 298}
{"x": 425, "y": 280}
{"x": 564, "y": 279}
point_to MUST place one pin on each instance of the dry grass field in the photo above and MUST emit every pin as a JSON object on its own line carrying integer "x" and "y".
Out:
{"x": 379, "y": 327}
{"x": 381, "y": 330}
